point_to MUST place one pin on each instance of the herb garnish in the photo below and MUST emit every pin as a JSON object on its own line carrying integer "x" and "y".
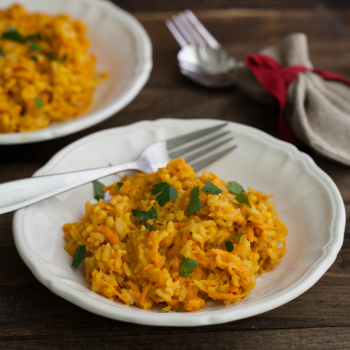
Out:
{"x": 165, "y": 191}
{"x": 163, "y": 311}
{"x": 149, "y": 227}
{"x": 186, "y": 266}
{"x": 229, "y": 245}
{"x": 145, "y": 215}
{"x": 98, "y": 190}
{"x": 53, "y": 57}
{"x": 235, "y": 187}
{"x": 34, "y": 58}
{"x": 243, "y": 199}
{"x": 13, "y": 35}
{"x": 38, "y": 102}
{"x": 210, "y": 187}
{"x": 34, "y": 47}
{"x": 179, "y": 309}
{"x": 119, "y": 186}
{"x": 36, "y": 36}
{"x": 79, "y": 256}
{"x": 2, "y": 53}
{"x": 195, "y": 201}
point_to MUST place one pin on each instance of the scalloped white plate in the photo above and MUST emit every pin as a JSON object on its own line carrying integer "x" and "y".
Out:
{"x": 122, "y": 48}
{"x": 305, "y": 198}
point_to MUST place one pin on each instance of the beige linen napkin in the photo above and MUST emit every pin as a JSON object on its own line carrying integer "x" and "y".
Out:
{"x": 317, "y": 110}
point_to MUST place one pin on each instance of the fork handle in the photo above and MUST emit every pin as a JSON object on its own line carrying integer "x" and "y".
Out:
{"x": 20, "y": 193}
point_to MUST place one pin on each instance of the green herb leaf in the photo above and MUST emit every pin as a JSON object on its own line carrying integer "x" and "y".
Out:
{"x": 210, "y": 187}
{"x": 2, "y": 53}
{"x": 145, "y": 215}
{"x": 64, "y": 58}
{"x": 179, "y": 309}
{"x": 195, "y": 201}
{"x": 165, "y": 191}
{"x": 34, "y": 47}
{"x": 186, "y": 266}
{"x": 52, "y": 57}
{"x": 235, "y": 187}
{"x": 149, "y": 227}
{"x": 119, "y": 186}
{"x": 163, "y": 311}
{"x": 235, "y": 236}
{"x": 13, "y": 35}
{"x": 38, "y": 102}
{"x": 34, "y": 58}
{"x": 229, "y": 246}
{"x": 98, "y": 190}
{"x": 79, "y": 256}
{"x": 36, "y": 36}
{"x": 243, "y": 199}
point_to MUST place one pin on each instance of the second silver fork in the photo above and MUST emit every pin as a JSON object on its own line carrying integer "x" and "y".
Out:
{"x": 201, "y": 58}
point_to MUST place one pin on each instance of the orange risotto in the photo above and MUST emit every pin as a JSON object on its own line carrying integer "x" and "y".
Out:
{"x": 46, "y": 72}
{"x": 176, "y": 258}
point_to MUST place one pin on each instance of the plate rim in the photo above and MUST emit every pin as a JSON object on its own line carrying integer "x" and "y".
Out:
{"x": 327, "y": 258}
{"x": 142, "y": 73}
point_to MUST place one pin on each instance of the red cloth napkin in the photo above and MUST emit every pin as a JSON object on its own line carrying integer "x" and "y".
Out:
{"x": 314, "y": 104}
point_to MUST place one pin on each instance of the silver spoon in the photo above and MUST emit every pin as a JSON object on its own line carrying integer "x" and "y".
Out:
{"x": 201, "y": 58}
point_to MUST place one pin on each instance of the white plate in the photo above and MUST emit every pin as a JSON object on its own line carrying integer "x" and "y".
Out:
{"x": 122, "y": 48}
{"x": 305, "y": 198}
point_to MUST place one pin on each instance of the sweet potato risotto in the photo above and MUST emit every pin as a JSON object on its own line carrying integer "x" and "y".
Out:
{"x": 46, "y": 72}
{"x": 175, "y": 239}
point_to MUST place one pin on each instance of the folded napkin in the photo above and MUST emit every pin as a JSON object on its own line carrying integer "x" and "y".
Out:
{"x": 314, "y": 104}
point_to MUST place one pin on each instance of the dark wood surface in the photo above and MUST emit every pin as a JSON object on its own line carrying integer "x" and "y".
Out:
{"x": 32, "y": 317}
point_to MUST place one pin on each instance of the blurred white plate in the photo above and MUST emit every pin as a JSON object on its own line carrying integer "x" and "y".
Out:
{"x": 122, "y": 48}
{"x": 305, "y": 198}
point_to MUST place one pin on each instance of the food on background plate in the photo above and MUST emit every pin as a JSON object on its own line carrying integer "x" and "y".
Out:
{"x": 175, "y": 239}
{"x": 46, "y": 72}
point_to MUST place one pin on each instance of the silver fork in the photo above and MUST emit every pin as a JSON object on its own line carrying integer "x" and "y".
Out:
{"x": 20, "y": 193}
{"x": 201, "y": 58}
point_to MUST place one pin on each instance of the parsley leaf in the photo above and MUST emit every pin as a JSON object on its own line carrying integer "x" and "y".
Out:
{"x": 163, "y": 311}
{"x": 36, "y": 36}
{"x": 119, "y": 186}
{"x": 165, "y": 191}
{"x": 149, "y": 227}
{"x": 34, "y": 58}
{"x": 195, "y": 201}
{"x": 79, "y": 256}
{"x": 243, "y": 199}
{"x": 145, "y": 215}
{"x": 229, "y": 246}
{"x": 38, "y": 102}
{"x": 64, "y": 58}
{"x": 98, "y": 190}
{"x": 52, "y": 57}
{"x": 2, "y": 53}
{"x": 210, "y": 187}
{"x": 13, "y": 35}
{"x": 186, "y": 266}
{"x": 235, "y": 236}
{"x": 34, "y": 47}
{"x": 235, "y": 187}
{"x": 179, "y": 309}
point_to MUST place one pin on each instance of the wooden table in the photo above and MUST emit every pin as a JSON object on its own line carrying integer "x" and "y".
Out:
{"x": 31, "y": 317}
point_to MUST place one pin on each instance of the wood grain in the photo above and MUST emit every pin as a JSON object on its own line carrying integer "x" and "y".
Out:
{"x": 32, "y": 317}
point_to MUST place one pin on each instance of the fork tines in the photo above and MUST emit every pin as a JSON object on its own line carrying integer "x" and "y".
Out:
{"x": 197, "y": 147}
{"x": 188, "y": 30}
